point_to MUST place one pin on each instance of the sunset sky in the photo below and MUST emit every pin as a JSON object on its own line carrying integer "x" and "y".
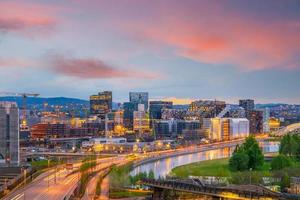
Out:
{"x": 173, "y": 49}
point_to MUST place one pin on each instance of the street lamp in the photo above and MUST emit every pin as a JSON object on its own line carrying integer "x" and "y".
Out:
{"x": 48, "y": 174}
{"x": 250, "y": 182}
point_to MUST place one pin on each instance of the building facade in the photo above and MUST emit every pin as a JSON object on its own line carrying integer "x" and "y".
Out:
{"x": 156, "y": 108}
{"x": 9, "y": 133}
{"x": 173, "y": 128}
{"x": 141, "y": 120}
{"x": 173, "y": 114}
{"x": 255, "y": 117}
{"x": 139, "y": 98}
{"x": 224, "y": 129}
{"x": 256, "y": 121}
{"x": 247, "y": 104}
{"x": 207, "y": 108}
{"x": 129, "y": 108}
{"x": 101, "y": 104}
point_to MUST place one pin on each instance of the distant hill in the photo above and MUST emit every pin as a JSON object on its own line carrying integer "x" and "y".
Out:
{"x": 41, "y": 100}
{"x": 273, "y": 105}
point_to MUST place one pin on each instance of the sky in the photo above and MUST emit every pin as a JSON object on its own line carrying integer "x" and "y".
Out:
{"x": 175, "y": 50}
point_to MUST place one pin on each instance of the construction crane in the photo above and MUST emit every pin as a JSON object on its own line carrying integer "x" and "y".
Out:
{"x": 24, "y": 104}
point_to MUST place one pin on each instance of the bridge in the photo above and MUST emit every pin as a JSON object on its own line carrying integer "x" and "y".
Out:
{"x": 195, "y": 186}
{"x": 287, "y": 129}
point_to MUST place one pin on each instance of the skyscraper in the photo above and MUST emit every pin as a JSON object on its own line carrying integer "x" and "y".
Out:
{"x": 9, "y": 133}
{"x": 256, "y": 121}
{"x": 101, "y": 104}
{"x": 255, "y": 117}
{"x": 140, "y": 120}
{"x": 128, "y": 115}
{"x": 139, "y": 98}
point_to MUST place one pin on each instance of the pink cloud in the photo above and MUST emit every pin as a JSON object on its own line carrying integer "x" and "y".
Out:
{"x": 91, "y": 68}
{"x": 211, "y": 32}
{"x": 26, "y": 18}
{"x": 241, "y": 43}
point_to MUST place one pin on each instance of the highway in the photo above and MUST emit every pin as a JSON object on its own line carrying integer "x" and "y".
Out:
{"x": 49, "y": 185}
{"x": 102, "y": 167}
{"x": 53, "y": 184}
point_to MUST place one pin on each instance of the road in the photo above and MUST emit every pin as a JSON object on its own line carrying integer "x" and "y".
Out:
{"x": 105, "y": 189}
{"x": 53, "y": 184}
{"x": 49, "y": 185}
{"x": 102, "y": 167}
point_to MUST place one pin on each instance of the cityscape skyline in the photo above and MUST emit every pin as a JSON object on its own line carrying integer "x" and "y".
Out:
{"x": 149, "y": 100}
{"x": 128, "y": 47}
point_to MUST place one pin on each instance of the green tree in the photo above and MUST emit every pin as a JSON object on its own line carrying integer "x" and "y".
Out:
{"x": 280, "y": 162}
{"x": 248, "y": 155}
{"x": 285, "y": 181}
{"x": 252, "y": 149}
{"x": 288, "y": 145}
{"x": 151, "y": 175}
{"x": 297, "y": 140}
{"x": 239, "y": 161}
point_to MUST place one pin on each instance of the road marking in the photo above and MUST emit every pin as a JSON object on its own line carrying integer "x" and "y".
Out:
{"x": 18, "y": 196}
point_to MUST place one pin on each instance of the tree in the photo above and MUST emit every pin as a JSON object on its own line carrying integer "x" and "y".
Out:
{"x": 239, "y": 161}
{"x": 252, "y": 149}
{"x": 297, "y": 140}
{"x": 280, "y": 162}
{"x": 256, "y": 157}
{"x": 288, "y": 145}
{"x": 248, "y": 154}
{"x": 285, "y": 181}
{"x": 151, "y": 174}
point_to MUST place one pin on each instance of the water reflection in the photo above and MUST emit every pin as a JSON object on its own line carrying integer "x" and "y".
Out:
{"x": 164, "y": 166}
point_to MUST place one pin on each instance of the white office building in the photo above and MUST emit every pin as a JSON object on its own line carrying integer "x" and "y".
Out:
{"x": 222, "y": 129}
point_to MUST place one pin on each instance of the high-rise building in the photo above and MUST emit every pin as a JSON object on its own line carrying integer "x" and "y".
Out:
{"x": 256, "y": 122}
{"x": 207, "y": 108}
{"x": 128, "y": 115}
{"x": 9, "y": 133}
{"x": 247, "y": 104}
{"x": 140, "y": 120}
{"x": 156, "y": 108}
{"x": 255, "y": 117}
{"x": 139, "y": 98}
{"x": 101, "y": 104}
{"x": 266, "y": 118}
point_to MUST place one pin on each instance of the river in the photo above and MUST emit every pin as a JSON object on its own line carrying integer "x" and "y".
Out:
{"x": 163, "y": 167}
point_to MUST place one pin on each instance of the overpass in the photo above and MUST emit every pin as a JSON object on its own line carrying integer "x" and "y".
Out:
{"x": 195, "y": 186}
{"x": 287, "y": 129}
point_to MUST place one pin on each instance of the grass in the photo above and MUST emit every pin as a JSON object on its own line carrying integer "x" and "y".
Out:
{"x": 43, "y": 164}
{"x": 204, "y": 168}
{"x": 217, "y": 168}
{"x": 119, "y": 175}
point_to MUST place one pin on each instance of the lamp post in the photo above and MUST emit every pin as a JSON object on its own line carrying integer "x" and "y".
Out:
{"x": 250, "y": 182}
{"x": 48, "y": 174}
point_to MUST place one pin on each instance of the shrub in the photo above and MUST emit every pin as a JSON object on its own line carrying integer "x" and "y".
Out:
{"x": 280, "y": 162}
